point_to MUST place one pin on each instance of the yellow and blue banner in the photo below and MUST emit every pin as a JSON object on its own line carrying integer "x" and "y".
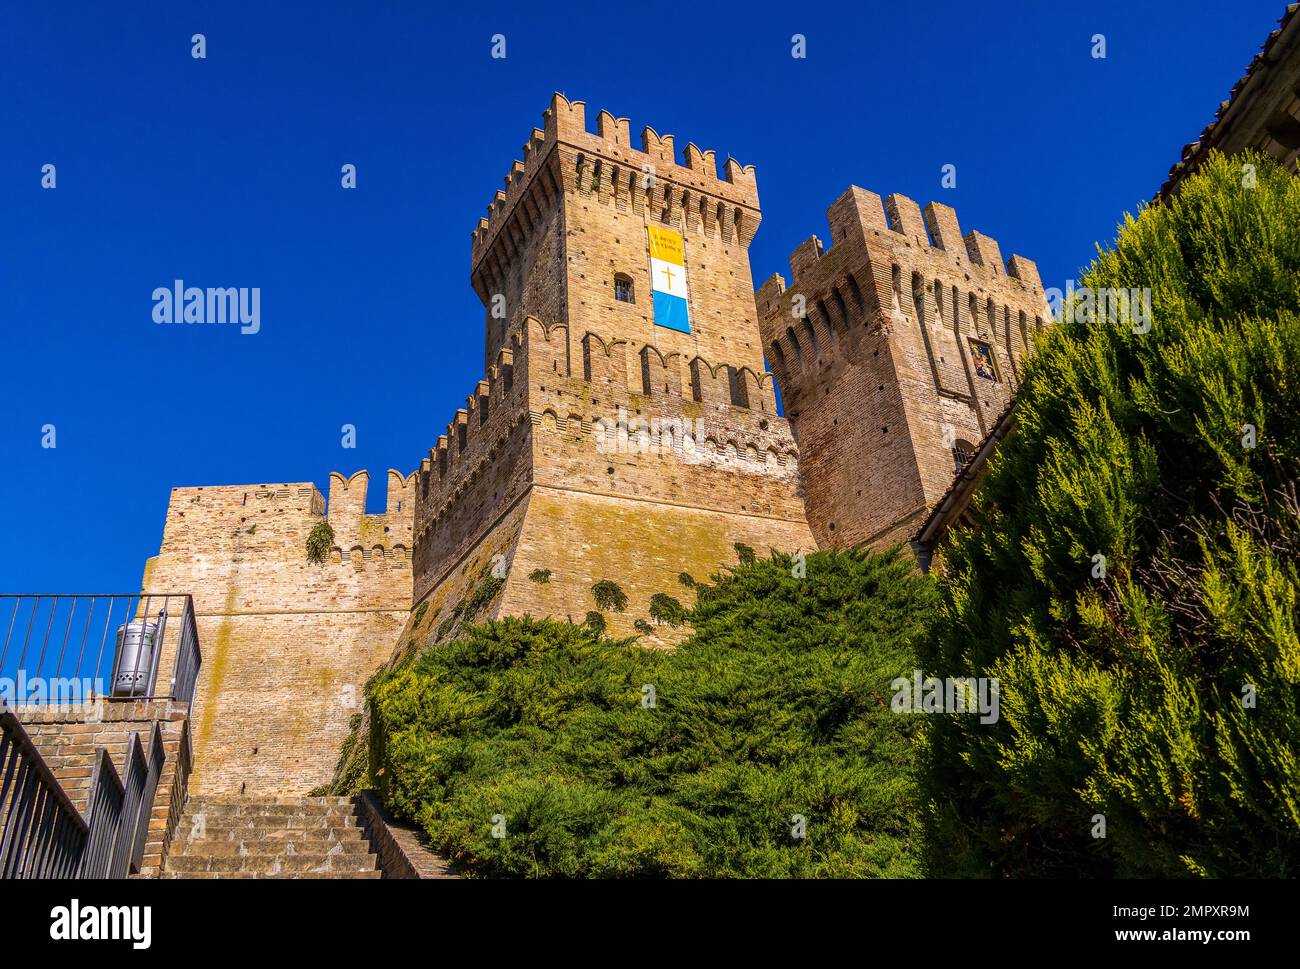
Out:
{"x": 668, "y": 279}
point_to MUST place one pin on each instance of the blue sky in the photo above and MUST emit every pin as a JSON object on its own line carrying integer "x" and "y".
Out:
{"x": 225, "y": 172}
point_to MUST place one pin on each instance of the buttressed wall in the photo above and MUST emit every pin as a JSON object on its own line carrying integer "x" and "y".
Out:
{"x": 600, "y": 445}
{"x": 287, "y": 644}
{"x": 896, "y": 350}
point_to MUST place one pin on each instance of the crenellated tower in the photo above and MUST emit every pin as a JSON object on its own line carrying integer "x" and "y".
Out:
{"x": 626, "y": 428}
{"x": 897, "y": 349}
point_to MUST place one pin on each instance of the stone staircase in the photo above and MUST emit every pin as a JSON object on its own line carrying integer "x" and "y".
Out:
{"x": 269, "y": 837}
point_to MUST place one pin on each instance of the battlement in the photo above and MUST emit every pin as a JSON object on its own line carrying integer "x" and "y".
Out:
{"x": 474, "y": 434}
{"x": 934, "y": 231}
{"x": 891, "y": 263}
{"x": 573, "y": 398}
{"x": 272, "y": 520}
{"x": 607, "y": 164}
{"x": 610, "y": 368}
{"x": 288, "y": 641}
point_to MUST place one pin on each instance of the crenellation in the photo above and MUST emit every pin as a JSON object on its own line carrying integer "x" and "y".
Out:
{"x": 905, "y": 218}
{"x": 1026, "y": 271}
{"x": 805, "y": 256}
{"x": 656, "y": 162}
{"x": 908, "y": 348}
{"x": 617, "y": 131}
{"x": 705, "y": 162}
{"x": 658, "y": 147}
{"x": 941, "y": 221}
{"x": 984, "y": 251}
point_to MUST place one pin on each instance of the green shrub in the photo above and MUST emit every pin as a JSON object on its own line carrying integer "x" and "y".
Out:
{"x": 664, "y": 608}
{"x": 595, "y": 621}
{"x": 319, "y": 542}
{"x": 540, "y": 576}
{"x": 1121, "y": 688}
{"x": 482, "y": 595}
{"x": 777, "y": 706}
{"x": 609, "y": 595}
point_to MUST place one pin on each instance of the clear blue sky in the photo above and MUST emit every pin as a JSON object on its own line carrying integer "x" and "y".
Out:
{"x": 225, "y": 172}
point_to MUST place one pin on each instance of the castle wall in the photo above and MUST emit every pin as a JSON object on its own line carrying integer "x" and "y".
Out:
{"x": 479, "y": 467}
{"x": 287, "y": 644}
{"x": 606, "y": 192}
{"x": 590, "y": 431}
{"x": 878, "y": 374}
{"x": 643, "y": 546}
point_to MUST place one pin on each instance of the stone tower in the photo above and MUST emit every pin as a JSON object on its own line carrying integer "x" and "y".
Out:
{"x": 626, "y": 428}
{"x": 896, "y": 351}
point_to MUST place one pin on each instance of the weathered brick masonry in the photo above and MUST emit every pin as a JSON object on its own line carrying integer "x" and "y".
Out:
{"x": 68, "y": 740}
{"x": 877, "y": 344}
{"x": 287, "y": 644}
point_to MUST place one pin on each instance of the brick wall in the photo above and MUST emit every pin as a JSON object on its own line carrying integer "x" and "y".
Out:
{"x": 287, "y": 644}
{"x": 524, "y": 471}
{"x": 69, "y": 739}
{"x": 877, "y": 372}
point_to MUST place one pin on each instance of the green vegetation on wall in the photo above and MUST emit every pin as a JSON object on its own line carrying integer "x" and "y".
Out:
{"x": 319, "y": 542}
{"x": 609, "y": 596}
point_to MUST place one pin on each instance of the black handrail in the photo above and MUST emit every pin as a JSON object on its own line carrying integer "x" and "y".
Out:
{"x": 43, "y": 833}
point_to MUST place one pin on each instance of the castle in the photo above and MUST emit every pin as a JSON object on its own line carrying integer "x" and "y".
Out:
{"x": 625, "y": 429}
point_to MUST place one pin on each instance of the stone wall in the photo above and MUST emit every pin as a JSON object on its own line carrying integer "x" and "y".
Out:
{"x": 402, "y": 850}
{"x": 873, "y": 343}
{"x": 287, "y": 644}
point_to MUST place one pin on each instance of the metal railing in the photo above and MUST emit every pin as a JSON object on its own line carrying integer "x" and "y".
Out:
{"x": 67, "y": 650}
{"x": 153, "y": 771}
{"x": 120, "y": 810}
{"x": 188, "y": 658}
{"x": 107, "y": 799}
{"x": 43, "y": 834}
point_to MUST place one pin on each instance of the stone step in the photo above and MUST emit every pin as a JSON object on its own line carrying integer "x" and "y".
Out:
{"x": 219, "y": 810}
{"x": 237, "y": 821}
{"x": 255, "y": 874}
{"x": 272, "y": 863}
{"x": 225, "y": 849}
{"x": 270, "y": 837}
{"x": 290, "y": 799}
{"x": 216, "y": 836}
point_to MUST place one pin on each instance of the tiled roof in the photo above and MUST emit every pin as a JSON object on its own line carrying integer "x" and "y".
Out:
{"x": 959, "y": 493}
{"x": 1196, "y": 150}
